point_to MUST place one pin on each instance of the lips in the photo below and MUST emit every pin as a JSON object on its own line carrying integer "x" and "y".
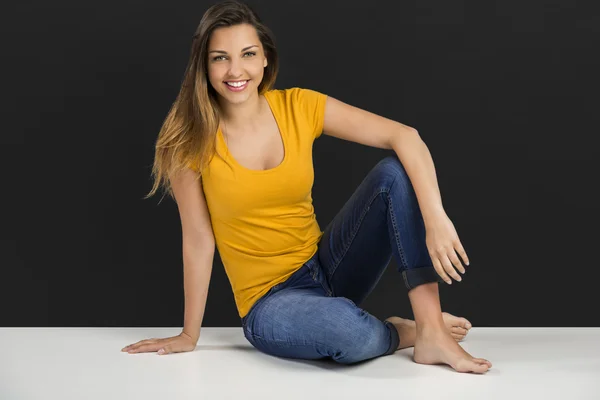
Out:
{"x": 243, "y": 80}
{"x": 237, "y": 88}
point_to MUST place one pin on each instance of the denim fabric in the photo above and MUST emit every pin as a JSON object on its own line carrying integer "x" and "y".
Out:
{"x": 315, "y": 313}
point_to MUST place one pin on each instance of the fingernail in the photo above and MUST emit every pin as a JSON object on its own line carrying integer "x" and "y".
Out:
{"x": 161, "y": 351}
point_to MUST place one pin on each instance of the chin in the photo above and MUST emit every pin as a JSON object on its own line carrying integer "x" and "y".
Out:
{"x": 238, "y": 97}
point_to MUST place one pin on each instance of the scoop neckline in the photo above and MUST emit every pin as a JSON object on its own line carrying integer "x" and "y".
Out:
{"x": 281, "y": 134}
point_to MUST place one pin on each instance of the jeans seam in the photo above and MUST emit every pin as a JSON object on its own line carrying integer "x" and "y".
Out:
{"x": 313, "y": 274}
{"x": 348, "y": 300}
{"x": 255, "y": 336}
{"x": 358, "y": 225}
{"x": 398, "y": 245}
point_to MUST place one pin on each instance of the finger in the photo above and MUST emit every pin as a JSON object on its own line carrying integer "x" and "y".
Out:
{"x": 449, "y": 268}
{"x": 131, "y": 346}
{"x": 141, "y": 343}
{"x": 135, "y": 344}
{"x": 456, "y": 262}
{"x": 146, "y": 348}
{"x": 461, "y": 251}
{"x": 440, "y": 270}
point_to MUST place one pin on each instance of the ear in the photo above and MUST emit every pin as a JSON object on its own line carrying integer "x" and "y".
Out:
{"x": 265, "y": 63}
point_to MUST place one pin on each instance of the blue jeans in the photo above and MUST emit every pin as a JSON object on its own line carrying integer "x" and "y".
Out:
{"x": 315, "y": 313}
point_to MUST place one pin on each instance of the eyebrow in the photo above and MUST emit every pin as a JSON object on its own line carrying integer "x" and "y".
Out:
{"x": 224, "y": 52}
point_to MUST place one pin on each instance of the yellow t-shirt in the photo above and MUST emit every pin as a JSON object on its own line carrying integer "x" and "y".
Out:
{"x": 263, "y": 221}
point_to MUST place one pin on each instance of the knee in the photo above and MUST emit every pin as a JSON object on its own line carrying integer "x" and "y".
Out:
{"x": 396, "y": 179}
{"x": 355, "y": 336}
{"x": 392, "y": 170}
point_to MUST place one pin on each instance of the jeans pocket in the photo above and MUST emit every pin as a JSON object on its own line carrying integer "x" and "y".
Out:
{"x": 317, "y": 275}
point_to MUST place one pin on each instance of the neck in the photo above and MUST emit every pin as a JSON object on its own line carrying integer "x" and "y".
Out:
{"x": 242, "y": 116}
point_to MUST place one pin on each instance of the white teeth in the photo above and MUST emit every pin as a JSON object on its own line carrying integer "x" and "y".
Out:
{"x": 236, "y": 84}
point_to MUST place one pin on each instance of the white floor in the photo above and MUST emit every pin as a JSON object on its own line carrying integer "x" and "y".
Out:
{"x": 86, "y": 363}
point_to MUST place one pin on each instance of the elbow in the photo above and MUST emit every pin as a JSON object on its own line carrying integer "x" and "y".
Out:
{"x": 199, "y": 242}
{"x": 400, "y": 139}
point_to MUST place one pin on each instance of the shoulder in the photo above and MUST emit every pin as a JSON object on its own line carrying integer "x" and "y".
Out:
{"x": 297, "y": 97}
{"x": 302, "y": 104}
{"x": 295, "y": 93}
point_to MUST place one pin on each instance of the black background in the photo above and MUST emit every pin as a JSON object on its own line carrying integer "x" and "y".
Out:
{"x": 503, "y": 93}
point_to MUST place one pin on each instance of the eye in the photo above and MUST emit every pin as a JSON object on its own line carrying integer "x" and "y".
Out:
{"x": 252, "y": 53}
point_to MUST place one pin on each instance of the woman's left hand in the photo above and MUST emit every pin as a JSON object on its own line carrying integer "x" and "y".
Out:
{"x": 443, "y": 244}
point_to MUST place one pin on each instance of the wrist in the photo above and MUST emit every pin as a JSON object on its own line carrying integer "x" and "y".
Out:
{"x": 432, "y": 215}
{"x": 193, "y": 338}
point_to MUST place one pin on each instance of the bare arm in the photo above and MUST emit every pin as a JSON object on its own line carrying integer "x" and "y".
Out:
{"x": 198, "y": 248}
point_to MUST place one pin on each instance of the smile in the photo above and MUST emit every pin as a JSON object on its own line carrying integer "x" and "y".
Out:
{"x": 237, "y": 86}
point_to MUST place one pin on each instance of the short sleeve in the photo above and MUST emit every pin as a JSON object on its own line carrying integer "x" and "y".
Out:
{"x": 312, "y": 105}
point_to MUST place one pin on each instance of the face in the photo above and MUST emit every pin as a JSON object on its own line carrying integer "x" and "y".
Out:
{"x": 235, "y": 55}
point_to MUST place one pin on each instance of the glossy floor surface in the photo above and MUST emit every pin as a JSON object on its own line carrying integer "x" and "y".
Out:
{"x": 86, "y": 363}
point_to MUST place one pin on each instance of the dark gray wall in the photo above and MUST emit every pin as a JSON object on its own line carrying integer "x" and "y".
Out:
{"x": 503, "y": 93}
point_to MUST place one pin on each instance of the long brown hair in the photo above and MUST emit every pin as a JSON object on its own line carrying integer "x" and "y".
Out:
{"x": 187, "y": 138}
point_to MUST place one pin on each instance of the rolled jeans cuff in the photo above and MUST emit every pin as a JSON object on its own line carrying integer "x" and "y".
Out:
{"x": 394, "y": 338}
{"x": 414, "y": 277}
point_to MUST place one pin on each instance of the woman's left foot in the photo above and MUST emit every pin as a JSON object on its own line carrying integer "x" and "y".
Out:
{"x": 407, "y": 328}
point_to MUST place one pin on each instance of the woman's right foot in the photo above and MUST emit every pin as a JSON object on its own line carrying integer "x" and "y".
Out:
{"x": 437, "y": 346}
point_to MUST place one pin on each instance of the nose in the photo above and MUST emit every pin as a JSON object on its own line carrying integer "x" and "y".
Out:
{"x": 235, "y": 68}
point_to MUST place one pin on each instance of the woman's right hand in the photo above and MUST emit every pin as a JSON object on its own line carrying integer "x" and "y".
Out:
{"x": 176, "y": 344}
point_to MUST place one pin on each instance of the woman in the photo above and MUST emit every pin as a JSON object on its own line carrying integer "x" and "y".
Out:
{"x": 297, "y": 288}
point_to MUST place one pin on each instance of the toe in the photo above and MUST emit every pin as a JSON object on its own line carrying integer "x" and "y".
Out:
{"x": 458, "y": 330}
{"x": 471, "y": 366}
{"x": 483, "y": 361}
{"x": 457, "y": 321}
{"x": 480, "y": 367}
{"x": 477, "y": 366}
{"x": 465, "y": 323}
{"x": 458, "y": 338}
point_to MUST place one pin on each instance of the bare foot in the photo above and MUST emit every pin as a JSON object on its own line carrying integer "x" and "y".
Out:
{"x": 437, "y": 346}
{"x": 458, "y": 327}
